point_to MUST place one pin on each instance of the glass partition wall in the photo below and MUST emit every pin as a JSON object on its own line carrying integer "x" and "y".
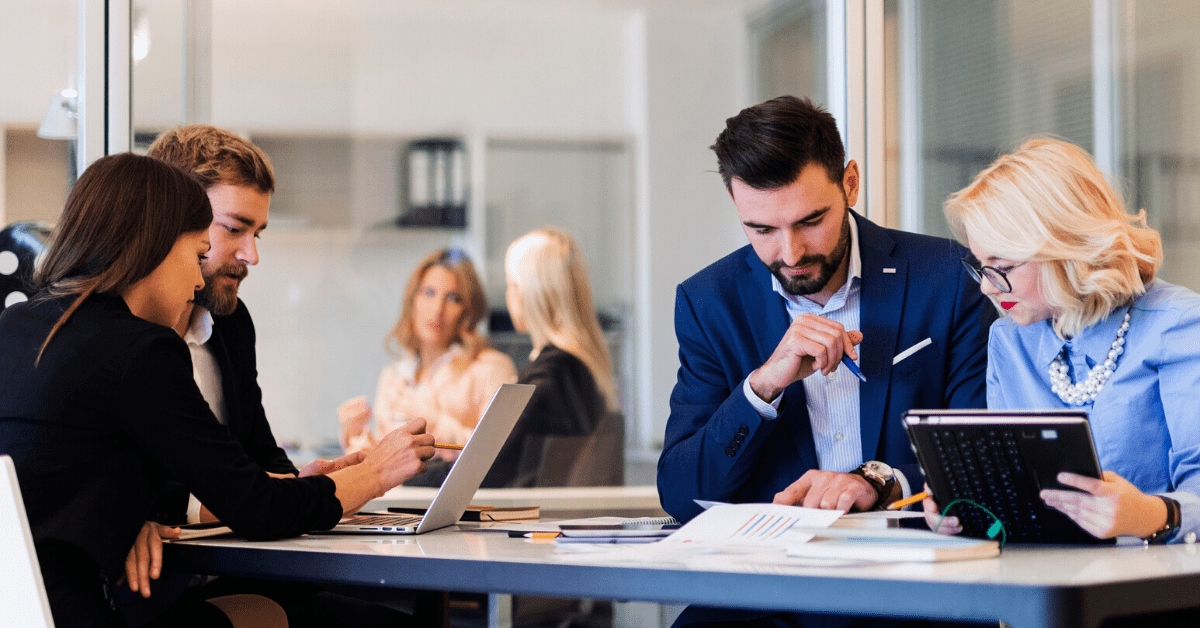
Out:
{"x": 597, "y": 116}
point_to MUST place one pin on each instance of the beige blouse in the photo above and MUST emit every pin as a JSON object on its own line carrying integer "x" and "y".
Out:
{"x": 450, "y": 397}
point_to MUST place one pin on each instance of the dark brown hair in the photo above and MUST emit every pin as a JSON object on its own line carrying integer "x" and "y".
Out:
{"x": 215, "y": 156}
{"x": 767, "y": 145}
{"x": 474, "y": 304}
{"x": 118, "y": 225}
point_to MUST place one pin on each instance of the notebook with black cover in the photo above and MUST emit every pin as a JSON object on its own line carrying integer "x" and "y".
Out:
{"x": 1001, "y": 460}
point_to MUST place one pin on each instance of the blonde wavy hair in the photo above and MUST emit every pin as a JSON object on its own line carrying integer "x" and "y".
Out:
{"x": 1048, "y": 202}
{"x": 403, "y": 336}
{"x": 548, "y": 269}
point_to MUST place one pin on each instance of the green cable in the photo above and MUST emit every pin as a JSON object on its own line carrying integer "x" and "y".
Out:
{"x": 993, "y": 530}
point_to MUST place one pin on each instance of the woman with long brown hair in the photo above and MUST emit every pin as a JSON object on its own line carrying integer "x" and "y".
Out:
{"x": 98, "y": 407}
{"x": 446, "y": 372}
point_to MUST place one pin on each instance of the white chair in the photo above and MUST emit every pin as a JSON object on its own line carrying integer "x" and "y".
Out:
{"x": 22, "y": 596}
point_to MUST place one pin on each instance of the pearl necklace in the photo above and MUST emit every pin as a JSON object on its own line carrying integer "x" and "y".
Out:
{"x": 1085, "y": 392}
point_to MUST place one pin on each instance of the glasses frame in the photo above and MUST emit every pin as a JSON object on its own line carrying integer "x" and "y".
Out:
{"x": 995, "y": 276}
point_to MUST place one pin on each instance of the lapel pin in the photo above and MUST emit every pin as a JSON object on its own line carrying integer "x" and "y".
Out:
{"x": 889, "y": 271}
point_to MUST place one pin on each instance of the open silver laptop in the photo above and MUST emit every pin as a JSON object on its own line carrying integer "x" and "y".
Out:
{"x": 465, "y": 476}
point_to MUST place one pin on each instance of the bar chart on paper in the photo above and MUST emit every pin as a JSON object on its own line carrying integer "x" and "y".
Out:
{"x": 754, "y": 524}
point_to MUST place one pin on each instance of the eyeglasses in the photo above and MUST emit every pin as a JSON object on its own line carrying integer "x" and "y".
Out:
{"x": 995, "y": 276}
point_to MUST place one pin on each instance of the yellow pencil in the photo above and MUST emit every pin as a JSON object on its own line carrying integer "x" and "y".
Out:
{"x": 448, "y": 446}
{"x": 901, "y": 503}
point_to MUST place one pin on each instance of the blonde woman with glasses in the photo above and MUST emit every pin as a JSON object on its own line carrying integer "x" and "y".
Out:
{"x": 1088, "y": 327}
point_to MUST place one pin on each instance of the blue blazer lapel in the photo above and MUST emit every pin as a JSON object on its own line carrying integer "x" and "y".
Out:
{"x": 765, "y": 311}
{"x": 768, "y": 318}
{"x": 880, "y": 309}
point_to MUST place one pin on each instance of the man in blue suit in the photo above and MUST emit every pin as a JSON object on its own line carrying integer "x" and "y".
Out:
{"x": 763, "y": 409}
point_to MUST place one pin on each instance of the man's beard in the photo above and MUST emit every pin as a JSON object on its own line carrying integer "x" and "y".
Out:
{"x": 828, "y": 265}
{"x": 221, "y": 300}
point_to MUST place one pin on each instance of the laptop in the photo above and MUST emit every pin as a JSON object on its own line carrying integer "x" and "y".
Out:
{"x": 464, "y": 477}
{"x": 999, "y": 461}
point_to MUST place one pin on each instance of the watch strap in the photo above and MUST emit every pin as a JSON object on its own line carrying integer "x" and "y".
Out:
{"x": 882, "y": 491}
{"x": 1174, "y": 520}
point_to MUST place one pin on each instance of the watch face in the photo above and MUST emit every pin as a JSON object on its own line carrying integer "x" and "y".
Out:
{"x": 878, "y": 469}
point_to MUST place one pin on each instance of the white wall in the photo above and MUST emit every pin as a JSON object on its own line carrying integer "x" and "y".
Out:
{"x": 662, "y": 75}
{"x": 538, "y": 69}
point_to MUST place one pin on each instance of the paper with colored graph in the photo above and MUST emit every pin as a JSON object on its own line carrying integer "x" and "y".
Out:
{"x": 754, "y": 524}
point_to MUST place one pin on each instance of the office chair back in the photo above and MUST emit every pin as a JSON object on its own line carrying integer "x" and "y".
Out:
{"x": 22, "y": 596}
{"x": 595, "y": 459}
{"x": 20, "y": 245}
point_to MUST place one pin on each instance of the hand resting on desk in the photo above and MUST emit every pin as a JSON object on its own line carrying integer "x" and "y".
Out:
{"x": 828, "y": 490}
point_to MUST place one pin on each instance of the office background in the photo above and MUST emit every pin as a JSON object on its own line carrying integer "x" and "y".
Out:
{"x": 594, "y": 115}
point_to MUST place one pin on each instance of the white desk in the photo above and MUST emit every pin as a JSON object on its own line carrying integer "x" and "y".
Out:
{"x": 597, "y": 500}
{"x": 1028, "y": 588}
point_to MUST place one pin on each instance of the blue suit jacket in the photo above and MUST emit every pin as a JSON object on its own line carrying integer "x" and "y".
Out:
{"x": 728, "y": 322}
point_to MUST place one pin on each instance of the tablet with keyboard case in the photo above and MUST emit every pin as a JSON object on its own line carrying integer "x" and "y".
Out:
{"x": 1001, "y": 460}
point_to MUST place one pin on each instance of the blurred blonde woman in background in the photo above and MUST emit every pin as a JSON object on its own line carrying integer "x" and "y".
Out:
{"x": 446, "y": 372}
{"x": 550, "y": 298}
{"x": 1089, "y": 327}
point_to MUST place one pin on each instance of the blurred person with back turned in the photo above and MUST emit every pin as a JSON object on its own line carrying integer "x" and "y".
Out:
{"x": 763, "y": 409}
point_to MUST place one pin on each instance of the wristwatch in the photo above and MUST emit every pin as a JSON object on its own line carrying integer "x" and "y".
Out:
{"x": 881, "y": 477}
{"x": 1174, "y": 519}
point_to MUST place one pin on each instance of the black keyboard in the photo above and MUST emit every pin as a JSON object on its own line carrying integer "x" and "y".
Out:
{"x": 1000, "y": 482}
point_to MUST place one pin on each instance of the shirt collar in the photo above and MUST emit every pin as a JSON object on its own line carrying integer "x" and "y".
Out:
{"x": 1094, "y": 342}
{"x": 199, "y": 332}
{"x": 853, "y": 275}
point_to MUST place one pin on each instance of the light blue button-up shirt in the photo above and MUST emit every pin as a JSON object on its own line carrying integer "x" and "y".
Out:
{"x": 1146, "y": 420}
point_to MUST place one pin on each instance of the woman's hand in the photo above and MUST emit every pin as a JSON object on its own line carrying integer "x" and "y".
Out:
{"x": 933, "y": 515}
{"x": 1109, "y": 507}
{"x": 144, "y": 561}
{"x": 353, "y": 414}
{"x": 321, "y": 466}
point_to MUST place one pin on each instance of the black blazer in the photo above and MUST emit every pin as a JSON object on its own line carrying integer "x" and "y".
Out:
{"x": 567, "y": 402}
{"x": 108, "y": 415}
{"x": 232, "y": 346}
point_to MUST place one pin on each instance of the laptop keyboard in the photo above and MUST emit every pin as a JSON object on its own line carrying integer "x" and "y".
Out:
{"x": 398, "y": 521}
{"x": 993, "y": 459}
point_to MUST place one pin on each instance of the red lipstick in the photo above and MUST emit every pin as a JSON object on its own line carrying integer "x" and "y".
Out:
{"x": 1008, "y": 305}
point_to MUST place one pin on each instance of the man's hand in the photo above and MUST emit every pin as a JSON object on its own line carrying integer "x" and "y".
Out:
{"x": 829, "y": 490}
{"x": 402, "y": 453}
{"x": 321, "y": 466}
{"x": 144, "y": 561}
{"x": 811, "y": 344}
{"x": 1110, "y": 506}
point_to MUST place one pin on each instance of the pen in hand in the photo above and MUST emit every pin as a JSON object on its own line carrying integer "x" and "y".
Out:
{"x": 901, "y": 503}
{"x": 853, "y": 367}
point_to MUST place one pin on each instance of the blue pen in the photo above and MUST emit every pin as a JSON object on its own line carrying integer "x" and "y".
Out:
{"x": 853, "y": 367}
